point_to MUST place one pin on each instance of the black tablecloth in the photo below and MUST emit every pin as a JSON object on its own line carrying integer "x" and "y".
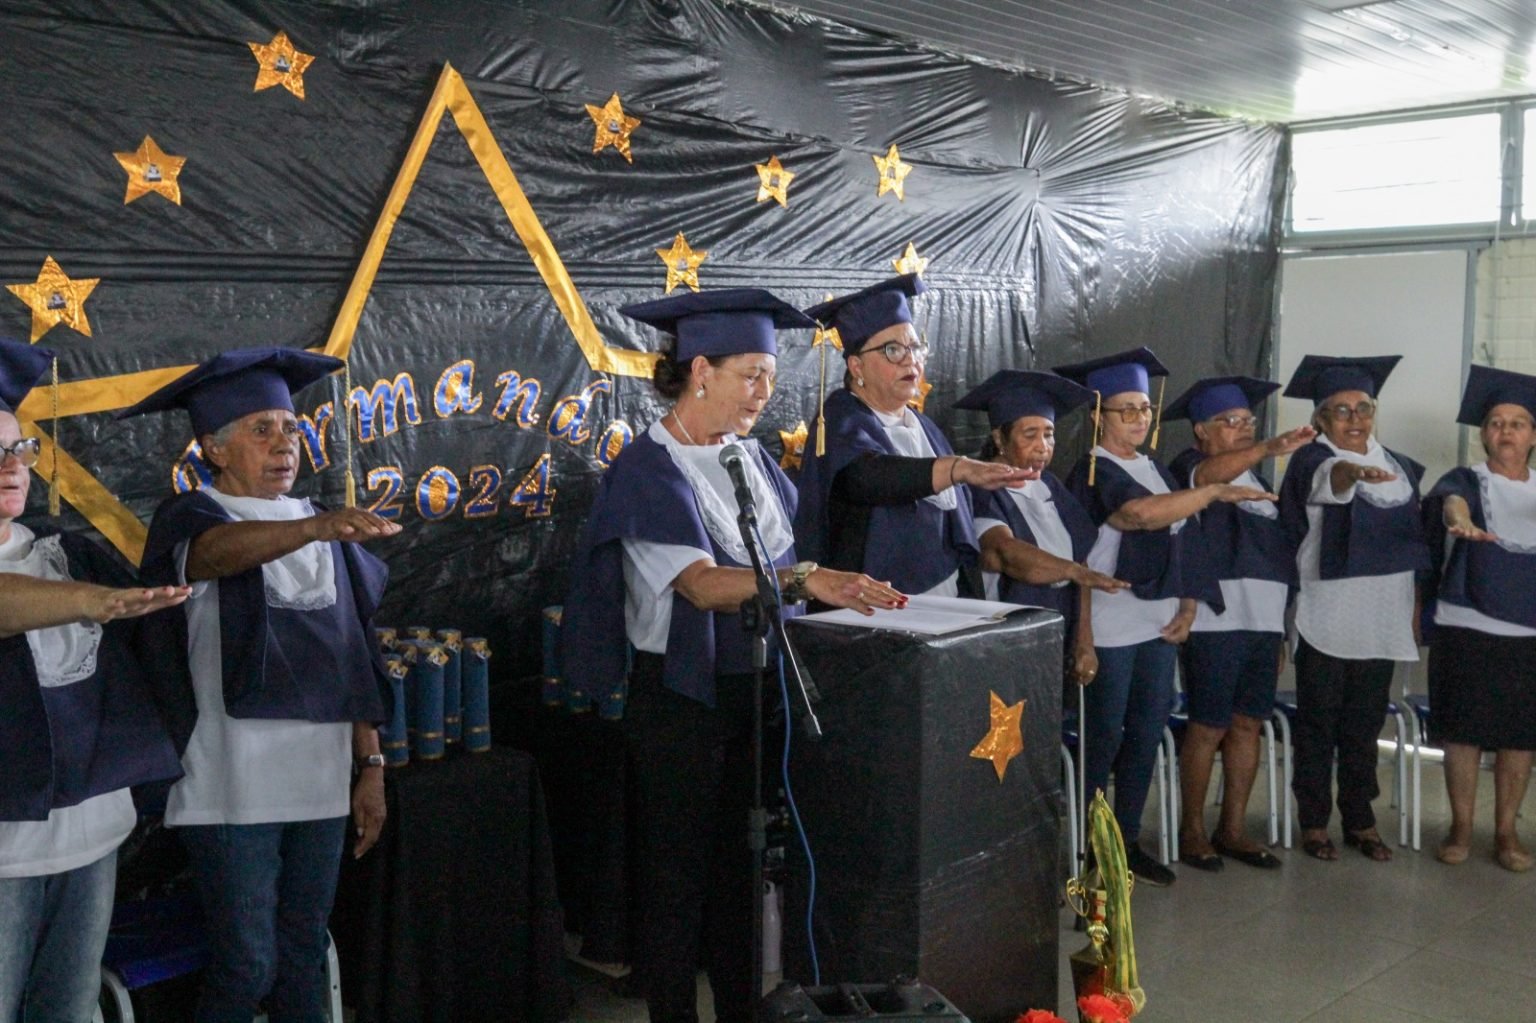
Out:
{"x": 454, "y": 917}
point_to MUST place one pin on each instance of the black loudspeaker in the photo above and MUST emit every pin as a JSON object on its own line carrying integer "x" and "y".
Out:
{"x": 902, "y": 999}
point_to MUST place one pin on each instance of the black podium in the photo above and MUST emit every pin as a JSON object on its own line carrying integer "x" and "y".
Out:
{"x": 926, "y": 865}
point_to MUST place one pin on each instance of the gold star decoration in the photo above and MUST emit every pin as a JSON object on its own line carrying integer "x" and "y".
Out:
{"x": 682, "y": 263}
{"x": 150, "y": 169}
{"x": 893, "y": 173}
{"x": 909, "y": 262}
{"x": 55, "y": 299}
{"x": 1005, "y": 740}
{"x": 613, "y": 127}
{"x": 281, "y": 64}
{"x": 773, "y": 181}
{"x": 794, "y": 446}
{"x": 920, "y": 400}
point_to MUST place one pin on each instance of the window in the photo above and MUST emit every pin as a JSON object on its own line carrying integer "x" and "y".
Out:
{"x": 1427, "y": 172}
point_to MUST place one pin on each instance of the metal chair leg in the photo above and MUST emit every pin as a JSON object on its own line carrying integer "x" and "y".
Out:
{"x": 1268, "y": 731}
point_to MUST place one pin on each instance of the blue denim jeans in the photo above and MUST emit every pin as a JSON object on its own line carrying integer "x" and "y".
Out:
{"x": 1127, "y": 705}
{"x": 52, "y": 932}
{"x": 266, "y": 892}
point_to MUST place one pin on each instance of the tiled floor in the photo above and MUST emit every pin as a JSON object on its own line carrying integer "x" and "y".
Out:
{"x": 1406, "y": 941}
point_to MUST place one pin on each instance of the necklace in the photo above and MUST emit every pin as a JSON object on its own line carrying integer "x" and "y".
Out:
{"x": 679, "y": 421}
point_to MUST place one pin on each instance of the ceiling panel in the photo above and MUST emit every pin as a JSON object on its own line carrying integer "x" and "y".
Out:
{"x": 1274, "y": 60}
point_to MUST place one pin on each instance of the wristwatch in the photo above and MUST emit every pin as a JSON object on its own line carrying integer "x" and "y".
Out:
{"x": 799, "y": 572}
{"x": 371, "y": 760}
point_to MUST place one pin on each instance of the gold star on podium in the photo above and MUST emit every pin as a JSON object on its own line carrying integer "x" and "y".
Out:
{"x": 773, "y": 181}
{"x": 1005, "y": 740}
{"x": 150, "y": 169}
{"x": 893, "y": 173}
{"x": 281, "y": 64}
{"x": 55, "y": 299}
{"x": 794, "y": 446}
{"x": 682, "y": 263}
{"x": 920, "y": 400}
{"x": 909, "y": 262}
{"x": 613, "y": 126}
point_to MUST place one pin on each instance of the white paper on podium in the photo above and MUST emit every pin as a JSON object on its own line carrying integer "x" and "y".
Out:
{"x": 927, "y": 616}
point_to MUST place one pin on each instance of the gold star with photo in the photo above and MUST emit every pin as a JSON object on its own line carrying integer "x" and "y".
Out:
{"x": 613, "y": 126}
{"x": 893, "y": 173}
{"x": 794, "y": 446}
{"x": 773, "y": 181}
{"x": 281, "y": 64}
{"x": 909, "y": 262}
{"x": 1005, "y": 740}
{"x": 151, "y": 169}
{"x": 682, "y": 263}
{"x": 55, "y": 299}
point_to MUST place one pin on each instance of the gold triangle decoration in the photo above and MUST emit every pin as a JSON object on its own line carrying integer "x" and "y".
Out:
{"x": 105, "y": 394}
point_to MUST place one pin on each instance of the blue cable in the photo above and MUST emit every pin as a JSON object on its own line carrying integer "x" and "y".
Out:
{"x": 789, "y": 792}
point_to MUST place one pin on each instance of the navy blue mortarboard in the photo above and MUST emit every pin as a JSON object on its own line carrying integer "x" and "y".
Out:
{"x": 236, "y": 383}
{"x": 1487, "y": 387}
{"x": 21, "y": 366}
{"x": 1319, "y": 377}
{"x": 1009, "y": 394}
{"x": 863, "y": 314}
{"x": 1118, "y": 373}
{"x": 1214, "y": 395}
{"x": 728, "y": 321}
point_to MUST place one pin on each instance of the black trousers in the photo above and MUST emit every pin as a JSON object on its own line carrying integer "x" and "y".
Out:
{"x": 1340, "y": 706}
{"x": 693, "y": 783}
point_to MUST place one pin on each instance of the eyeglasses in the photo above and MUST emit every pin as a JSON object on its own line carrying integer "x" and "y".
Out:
{"x": 1363, "y": 410}
{"x": 26, "y": 451}
{"x": 1131, "y": 413}
{"x": 897, "y": 353}
{"x": 1236, "y": 421}
{"x": 754, "y": 378}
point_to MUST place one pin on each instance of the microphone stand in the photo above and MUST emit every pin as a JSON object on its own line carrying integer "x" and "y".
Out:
{"x": 759, "y": 614}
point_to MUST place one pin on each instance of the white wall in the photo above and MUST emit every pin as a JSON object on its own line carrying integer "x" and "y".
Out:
{"x": 1412, "y": 304}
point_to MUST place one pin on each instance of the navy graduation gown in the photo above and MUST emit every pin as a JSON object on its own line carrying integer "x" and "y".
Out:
{"x": 997, "y": 504}
{"x": 644, "y": 496}
{"x": 278, "y": 663}
{"x": 1358, "y": 538}
{"x": 1235, "y": 543}
{"x": 1481, "y": 575}
{"x": 899, "y": 539}
{"x": 1151, "y": 560}
{"x": 65, "y": 744}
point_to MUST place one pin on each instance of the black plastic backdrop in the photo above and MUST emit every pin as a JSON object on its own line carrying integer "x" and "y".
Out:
{"x": 1061, "y": 222}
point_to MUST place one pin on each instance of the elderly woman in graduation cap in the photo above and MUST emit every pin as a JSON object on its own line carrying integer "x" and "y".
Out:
{"x": 888, "y": 495}
{"x": 1231, "y": 662}
{"x": 77, "y": 729}
{"x": 1351, "y": 508}
{"x": 661, "y": 570}
{"x": 1036, "y": 538}
{"x": 270, "y": 682}
{"x": 1140, "y": 512}
{"x": 1482, "y": 650}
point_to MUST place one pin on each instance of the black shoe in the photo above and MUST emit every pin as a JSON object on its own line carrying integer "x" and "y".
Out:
{"x": 1148, "y": 869}
{"x": 1261, "y": 858}
{"x": 1209, "y": 862}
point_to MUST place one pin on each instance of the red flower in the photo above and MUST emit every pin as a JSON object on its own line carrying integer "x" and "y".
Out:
{"x": 1101, "y": 1009}
{"x": 1040, "y": 1016}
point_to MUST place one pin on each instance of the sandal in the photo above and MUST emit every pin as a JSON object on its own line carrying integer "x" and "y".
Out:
{"x": 1452, "y": 854}
{"x": 1261, "y": 858}
{"x": 1370, "y": 845}
{"x": 1320, "y": 849}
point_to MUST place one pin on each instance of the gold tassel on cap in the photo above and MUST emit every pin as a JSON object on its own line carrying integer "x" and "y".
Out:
{"x": 55, "y": 506}
{"x": 823, "y": 337}
{"x": 1093, "y": 450}
{"x": 1157, "y": 416}
{"x": 346, "y": 433}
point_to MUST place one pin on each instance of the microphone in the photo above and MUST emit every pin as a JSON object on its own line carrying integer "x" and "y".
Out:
{"x": 734, "y": 457}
